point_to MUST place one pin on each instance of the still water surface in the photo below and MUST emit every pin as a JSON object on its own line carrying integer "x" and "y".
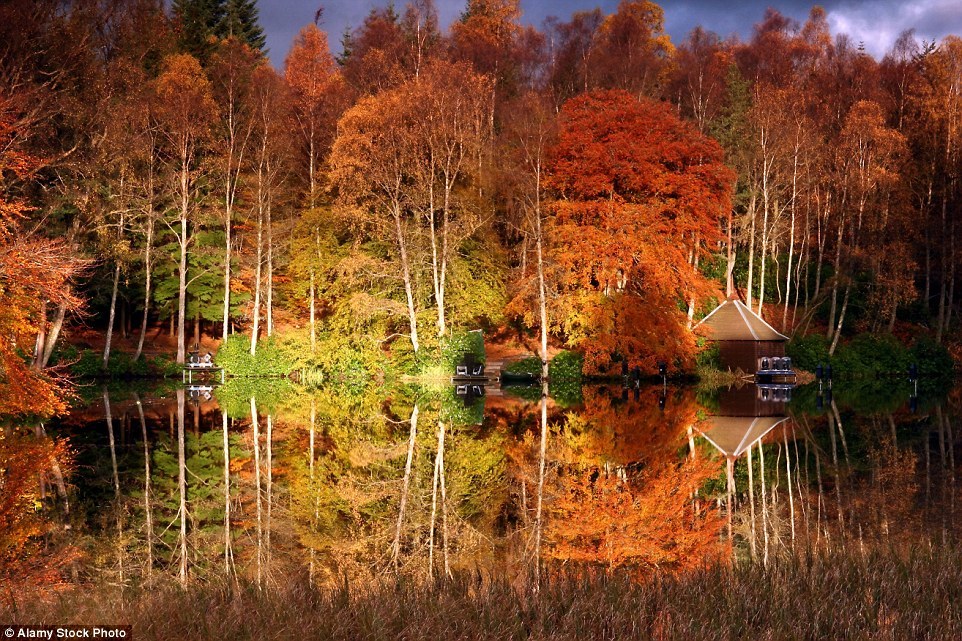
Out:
{"x": 270, "y": 482}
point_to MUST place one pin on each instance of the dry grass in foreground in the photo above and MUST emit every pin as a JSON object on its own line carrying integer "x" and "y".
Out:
{"x": 876, "y": 596}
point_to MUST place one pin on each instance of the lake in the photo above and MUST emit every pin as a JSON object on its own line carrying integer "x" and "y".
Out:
{"x": 269, "y": 481}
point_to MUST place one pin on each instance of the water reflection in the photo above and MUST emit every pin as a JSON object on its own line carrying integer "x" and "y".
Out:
{"x": 268, "y": 482}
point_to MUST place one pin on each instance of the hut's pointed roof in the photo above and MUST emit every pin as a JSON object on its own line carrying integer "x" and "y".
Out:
{"x": 733, "y": 321}
{"x": 733, "y": 435}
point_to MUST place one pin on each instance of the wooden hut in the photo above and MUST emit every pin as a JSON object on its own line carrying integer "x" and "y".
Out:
{"x": 745, "y": 341}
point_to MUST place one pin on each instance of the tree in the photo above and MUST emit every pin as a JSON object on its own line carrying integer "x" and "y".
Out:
{"x": 488, "y": 35}
{"x": 186, "y": 110}
{"x": 370, "y": 166}
{"x": 633, "y": 50}
{"x": 527, "y": 139}
{"x": 33, "y": 271}
{"x": 453, "y": 131}
{"x": 638, "y": 195}
{"x": 240, "y": 21}
{"x": 317, "y": 100}
{"x": 198, "y": 24}
{"x": 232, "y": 71}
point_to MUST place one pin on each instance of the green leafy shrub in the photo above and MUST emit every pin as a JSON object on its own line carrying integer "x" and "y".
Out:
{"x": 709, "y": 357}
{"x": 270, "y": 360}
{"x": 807, "y": 352}
{"x": 933, "y": 358}
{"x": 870, "y": 356}
{"x": 463, "y": 343}
{"x": 566, "y": 366}
{"x": 530, "y": 366}
{"x": 88, "y": 363}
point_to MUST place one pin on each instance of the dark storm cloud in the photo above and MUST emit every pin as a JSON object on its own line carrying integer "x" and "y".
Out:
{"x": 877, "y": 23}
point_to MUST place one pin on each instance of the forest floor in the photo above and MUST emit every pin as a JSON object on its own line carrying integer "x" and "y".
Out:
{"x": 158, "y": 341}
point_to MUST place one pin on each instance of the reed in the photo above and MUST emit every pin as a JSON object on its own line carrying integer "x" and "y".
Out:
{"x": 840, "y": 595}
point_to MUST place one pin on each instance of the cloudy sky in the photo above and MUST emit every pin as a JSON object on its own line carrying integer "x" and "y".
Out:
{"x": 877, "y": 23}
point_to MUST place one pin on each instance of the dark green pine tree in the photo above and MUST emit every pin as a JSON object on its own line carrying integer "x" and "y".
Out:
{"x": 347, "y": 47}
{"x": 199, "y": 23}
{"x": 240, "y": 21}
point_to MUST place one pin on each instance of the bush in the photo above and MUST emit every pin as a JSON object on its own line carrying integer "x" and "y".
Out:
{"x": 871, "y": 356}
{"x": 709, "y": 357}
{"x": 933, "y": 358}
{"x": 87, "y": 363}
{"x": 462, "y": 344}
{"x": 530, "y": 366}
{"x": 566, "y": 366}
{"x": 807, "y": 352}
{"x": 270, "y": 360}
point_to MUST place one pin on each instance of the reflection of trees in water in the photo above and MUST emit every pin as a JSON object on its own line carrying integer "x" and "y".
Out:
{"x": 620, "y": 489}
{"x": 35, "y": 551}
{"x": 852, "y": 482}
{"x": 351, "y": 485}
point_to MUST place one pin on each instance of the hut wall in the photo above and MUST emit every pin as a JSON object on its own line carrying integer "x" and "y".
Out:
{"x": 744, "y": 355}
{"x": 746, "y": 401}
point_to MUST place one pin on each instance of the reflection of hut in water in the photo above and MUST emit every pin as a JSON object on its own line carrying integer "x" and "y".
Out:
{"x": 745, "y": 341}
{"x": 744, "y": 417}
{"x": 733, "y": 435}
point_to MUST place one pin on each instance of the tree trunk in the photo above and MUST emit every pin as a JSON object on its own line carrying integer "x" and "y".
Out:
{"x": 436, "y": 482}
{"x": 228, "y": 552}
{"x": 542, "y": 297}
{"x": 257, "y": 281}
{"x": 113, "y": 450}
{"x": 761, "y": 463}
{"x": 257, "y": 491}
{"x": 197, "y": 321}
{"x": 149, "y": 526}
{"x": 406, "y": 273}
{"x": 182, "y": 291}
{"x": 751, "y": 252}
{"x": 182, "y": 484}
{"x": 41, "y": 337}
{"x": 148, "y": 267}
{"x": 270, "y": 492}
{"x": 227, "y": 259}
{"x": 270, "y": 269}
{"x": 788, "y": 472}
{"x": 113, "y": 310}
{"x": 539, "y": 509}
{"x": 313, "y": 315}
{"x": 396, "y": 545}
{"x": 841, "y": 319}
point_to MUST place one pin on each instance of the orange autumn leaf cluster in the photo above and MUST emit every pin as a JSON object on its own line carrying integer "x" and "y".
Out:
{"x": 32, "y": 270}
{"x": 622, "y": 496}
{"x": 647, "y": 521}
{"x": 638, "y": 198}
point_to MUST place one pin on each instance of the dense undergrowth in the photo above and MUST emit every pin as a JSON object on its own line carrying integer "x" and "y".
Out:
{"x": 88, "y": 363}
{"x": 882, "y": 594}
{"x": 872, "y": 356}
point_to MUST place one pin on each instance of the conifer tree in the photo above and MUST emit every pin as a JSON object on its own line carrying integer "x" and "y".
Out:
{"x": 241, "y": 21}
{"x": 198, "y": 23}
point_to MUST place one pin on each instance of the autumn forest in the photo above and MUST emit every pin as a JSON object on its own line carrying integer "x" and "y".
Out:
{"x": 340, "y": 225}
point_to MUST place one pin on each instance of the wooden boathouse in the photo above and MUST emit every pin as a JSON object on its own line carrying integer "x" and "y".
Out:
{"x": 746, "y": 343}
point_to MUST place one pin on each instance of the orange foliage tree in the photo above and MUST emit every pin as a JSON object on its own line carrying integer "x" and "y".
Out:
{"x": 33, "y": 271}
{"x": 638, "y": 198}
{"x": 624, "y": 496}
